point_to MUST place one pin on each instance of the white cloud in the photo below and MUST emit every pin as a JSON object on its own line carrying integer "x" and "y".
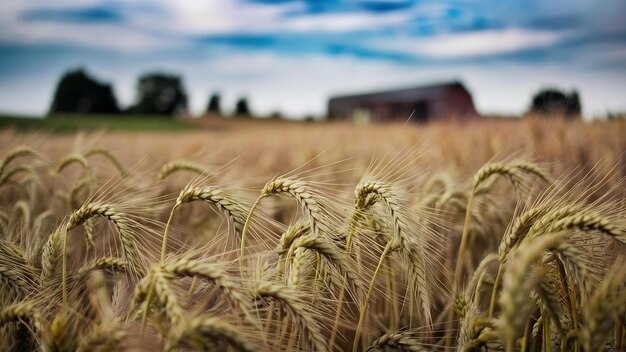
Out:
{"x": 471, "y": 44}
{"x": 237, "y": 16}
{"x": 93, "y": 35}
{"x": 15, "y": 29}
{"x": 211, "y": 17}
{"x": 170, "y": 23}
{"x": 343, "y": 22}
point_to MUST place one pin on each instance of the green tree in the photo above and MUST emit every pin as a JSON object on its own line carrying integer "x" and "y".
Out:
{"x": 80, "y": 93}
{"x": 241, "y": 107}
{"x": 553, "y": 102}
{"x": 214, "y": 105}
{"x": 160, "y": 94}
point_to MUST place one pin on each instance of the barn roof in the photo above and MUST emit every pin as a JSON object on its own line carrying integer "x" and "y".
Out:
{"x": 404, "y": 94}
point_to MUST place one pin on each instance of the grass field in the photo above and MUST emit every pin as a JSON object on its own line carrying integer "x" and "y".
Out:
{"x": 66, "y": 123}
{"x": 495, "y": 235}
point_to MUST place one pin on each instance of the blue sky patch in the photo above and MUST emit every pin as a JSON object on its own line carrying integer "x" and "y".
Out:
{"x": 83, "y": 15}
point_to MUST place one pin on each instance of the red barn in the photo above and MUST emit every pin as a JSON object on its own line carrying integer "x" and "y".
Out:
{"x": 433, "y": 102}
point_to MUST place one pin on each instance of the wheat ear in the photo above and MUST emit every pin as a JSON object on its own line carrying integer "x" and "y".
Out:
{"x": 107, "y": 154}
{"x": 298, "y": 262}
{"x": 366, "y": 194}
{"x": 232, "y": 208}
{"x": 202, "y": 329}
{"x": 293, "y": 232}
{"x": 514, "y": 173}
{"x": 396, "y": 341}
{"x": 119, "y": 219}
{"x": 4, "y": 179}
{"x": 16, "y": 153}
{"x": 213, "y": 195}
{"x": 52, "y": 252}
{"x": 179, "y": 165}
{"x": 160, "y": 282}
{"x": 606, "y": 307}
{"x": 300, "y": 191}
{"x": 288, "y": 299}
{"x": 589, "y": 222}
{"x": 75, "y": 158}
{"x": 15, "y": 273}
{"x": 103, "y": 337}
{"x": 328, "y": 250}
{"x": 213, "y": 273}
{"x": 104, "y": 263}
{"x": 527, "y": 224}
{"x": 516, "y": 289}
{"x": 26, "y": 313}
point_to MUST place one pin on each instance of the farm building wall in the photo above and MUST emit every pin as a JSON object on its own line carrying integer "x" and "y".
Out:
{"x": 442, "y": 101}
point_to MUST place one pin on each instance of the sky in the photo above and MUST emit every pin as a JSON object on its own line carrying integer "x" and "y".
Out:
{"x": 292, "y": 55}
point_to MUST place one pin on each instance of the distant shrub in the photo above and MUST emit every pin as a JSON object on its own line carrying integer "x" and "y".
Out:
{"x": 242, "y": 108}
{"x": 80, "y": 93}
{"x": 160, "y": 94}
{"x": 553, "y": 102}
{"x": 214, "y": 105}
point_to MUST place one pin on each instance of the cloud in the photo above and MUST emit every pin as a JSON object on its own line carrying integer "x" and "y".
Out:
{"x": 472, "y": 44}
{"x": 97, "y": 35}
{"x": 79, "y": 23}
{"x": 343, "y": 22}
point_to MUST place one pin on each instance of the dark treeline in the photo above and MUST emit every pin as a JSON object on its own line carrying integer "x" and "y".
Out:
{"x": 164, "y": 94}
{"x": 156, "y": 94}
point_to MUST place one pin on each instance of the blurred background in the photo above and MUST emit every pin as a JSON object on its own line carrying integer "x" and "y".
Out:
{"x": 313, "y": 59}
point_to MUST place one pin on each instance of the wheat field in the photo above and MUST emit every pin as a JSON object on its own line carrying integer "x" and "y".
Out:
{"x": 263, "y": 236}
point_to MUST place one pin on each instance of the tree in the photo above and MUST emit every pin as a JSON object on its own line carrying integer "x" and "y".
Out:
{"x": 241, "y": 107}
{"x": 160, "y": 94}
{"x": 553, "y": 102}
{"x": 214, "y": 104}
{"x": 80, "y": 93}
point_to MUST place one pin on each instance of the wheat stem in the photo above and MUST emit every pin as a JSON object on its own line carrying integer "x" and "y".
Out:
{"x": 363, "y": 309}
